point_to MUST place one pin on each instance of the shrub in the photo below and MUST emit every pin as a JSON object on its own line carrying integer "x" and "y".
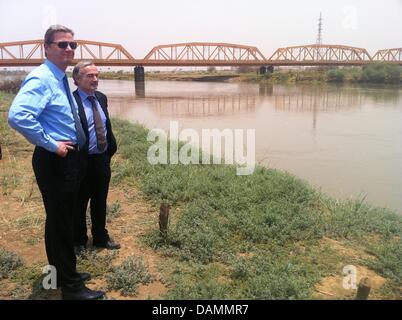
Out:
{"x": 335, "y": 75}
{"x": 9, "y": 262}
{"x": 11, "y": 86}
{"x": 382, "y": 73}
{"x": 129, "y": 275}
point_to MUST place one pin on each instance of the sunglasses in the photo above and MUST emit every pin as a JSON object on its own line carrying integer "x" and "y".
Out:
{"x": 64, "y": 44}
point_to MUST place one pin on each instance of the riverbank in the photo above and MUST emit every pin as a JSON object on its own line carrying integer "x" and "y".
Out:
{"x": 373, "y": 74}
{"x": 376, "y": 73}
{"x": 264, "y": 236}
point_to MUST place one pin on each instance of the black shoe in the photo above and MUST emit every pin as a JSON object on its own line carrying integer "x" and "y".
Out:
{"x": 110, "y": 245}
{"x": 84, "y": 276}
{"x": 79, "y": 250}
{"x": 83, "y": 294}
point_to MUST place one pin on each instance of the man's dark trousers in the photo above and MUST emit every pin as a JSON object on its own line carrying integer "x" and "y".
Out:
{"x": 58, "y": 181}
{"x": 95, "y": 186}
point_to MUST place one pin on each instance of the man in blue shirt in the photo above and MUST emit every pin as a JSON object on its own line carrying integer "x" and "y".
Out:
{"x": 44, "y": 112}
{"x": 101, "y": 146}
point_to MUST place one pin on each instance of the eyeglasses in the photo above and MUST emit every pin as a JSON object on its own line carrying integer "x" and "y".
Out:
{"x": 64, "y": 44}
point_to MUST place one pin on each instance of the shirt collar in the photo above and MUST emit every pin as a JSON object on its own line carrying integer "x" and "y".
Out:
{"x": 84, "y": 95}
{"x": 58, "y": 73}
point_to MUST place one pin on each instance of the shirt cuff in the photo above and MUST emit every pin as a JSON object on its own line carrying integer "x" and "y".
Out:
{"x": 51, "y": 145}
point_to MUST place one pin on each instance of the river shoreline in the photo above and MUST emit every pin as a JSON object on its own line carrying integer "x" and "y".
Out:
{"x": 373, "y": 74}
{"x": 378, "y": 74}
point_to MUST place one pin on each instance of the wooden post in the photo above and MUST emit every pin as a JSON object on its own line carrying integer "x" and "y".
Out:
{"x": 363, "y": 289}
{"x": 163, "y": 218}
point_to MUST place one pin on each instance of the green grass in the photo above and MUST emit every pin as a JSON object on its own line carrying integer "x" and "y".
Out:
{"x": 6, "y": 134}
{"x": 29, "y": 284}
{"x": 268, "y": 215}
{"x": 30, "y": 221}
{"x": 11, "y": 177}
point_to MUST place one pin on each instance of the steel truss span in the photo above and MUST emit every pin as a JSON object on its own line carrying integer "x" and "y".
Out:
{"x": 32, "y": 53}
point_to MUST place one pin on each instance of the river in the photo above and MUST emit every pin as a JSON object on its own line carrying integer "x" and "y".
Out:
{"x": 345, "y": 140}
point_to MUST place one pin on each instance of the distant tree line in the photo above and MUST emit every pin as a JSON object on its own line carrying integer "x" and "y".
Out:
{"x": 10, "y": 81}
{"x": 374, "y": 73}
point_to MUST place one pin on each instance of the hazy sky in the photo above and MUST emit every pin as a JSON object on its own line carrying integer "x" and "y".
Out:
{"x": 140, "y": 25}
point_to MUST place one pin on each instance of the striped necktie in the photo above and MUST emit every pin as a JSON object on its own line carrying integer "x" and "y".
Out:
{"x": 99, "y": 128}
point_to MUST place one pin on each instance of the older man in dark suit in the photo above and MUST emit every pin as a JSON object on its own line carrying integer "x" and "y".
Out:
{"x": 101, "y": 146}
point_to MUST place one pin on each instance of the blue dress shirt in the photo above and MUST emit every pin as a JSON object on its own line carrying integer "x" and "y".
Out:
{"x": 92, "y": 148}
{"x": 41, "y": 111}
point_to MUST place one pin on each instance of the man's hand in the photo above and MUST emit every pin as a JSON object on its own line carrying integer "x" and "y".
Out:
{"x": 63, "y": 147}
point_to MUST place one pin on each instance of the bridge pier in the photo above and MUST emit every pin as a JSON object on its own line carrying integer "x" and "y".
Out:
{"x": 139, "y": 74}
{"x": 139, "y": 78}
{"x": 266, "y": 69}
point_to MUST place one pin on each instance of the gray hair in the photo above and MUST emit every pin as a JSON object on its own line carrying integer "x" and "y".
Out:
{"x": 49, "y": 35}
{"x": 78, "y": 67}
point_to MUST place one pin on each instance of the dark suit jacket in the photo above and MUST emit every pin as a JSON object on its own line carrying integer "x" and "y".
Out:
{"x": 111, "y": 141}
